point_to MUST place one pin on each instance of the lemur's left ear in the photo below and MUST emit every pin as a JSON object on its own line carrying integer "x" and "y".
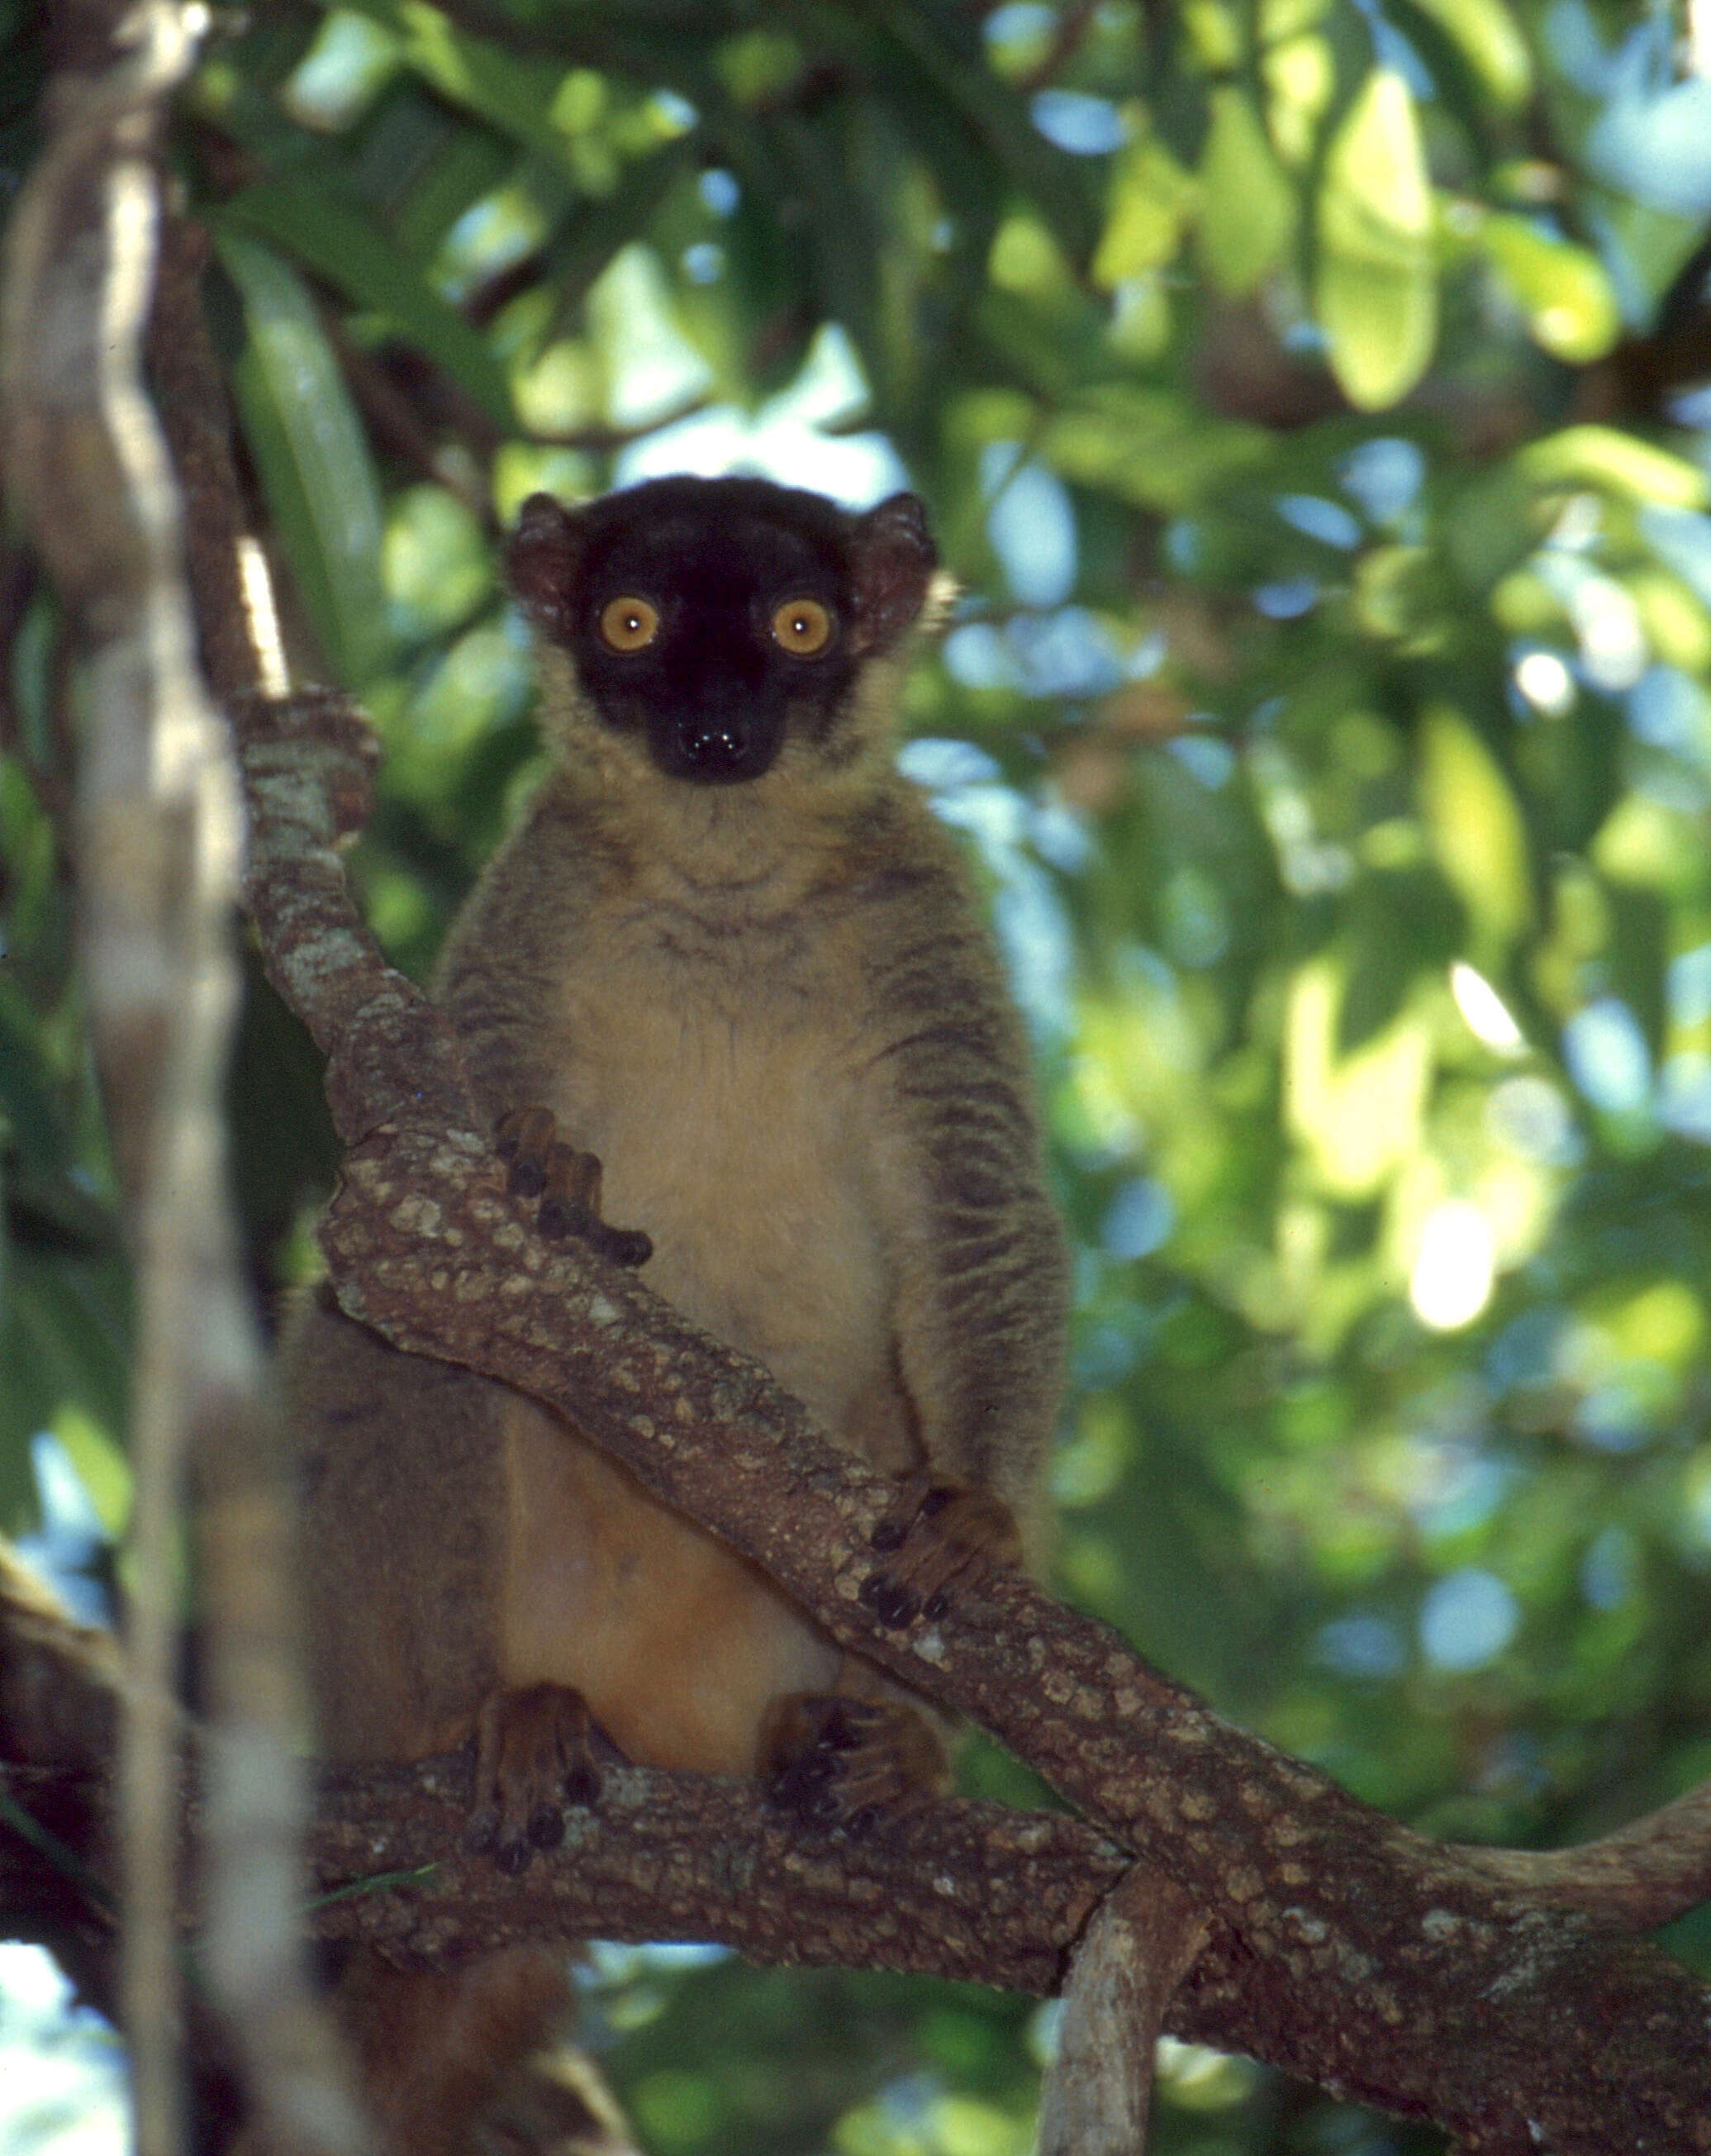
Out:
{"x": 894, "y": 559}
{"x": 545, "y": 562}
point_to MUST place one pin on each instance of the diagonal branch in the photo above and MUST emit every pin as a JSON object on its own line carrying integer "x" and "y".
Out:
{"x": 1373, "y": 1962}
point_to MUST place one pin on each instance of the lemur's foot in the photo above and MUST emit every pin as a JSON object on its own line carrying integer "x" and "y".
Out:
{"x": 534, "y": 1753}
{"x": 937, "y": 1536}
{"x": 837, "y": 1762}
{"x": 567, "y": 1183}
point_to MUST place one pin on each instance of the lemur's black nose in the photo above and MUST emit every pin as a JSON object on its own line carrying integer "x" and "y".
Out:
{"x": 714, "y": 745}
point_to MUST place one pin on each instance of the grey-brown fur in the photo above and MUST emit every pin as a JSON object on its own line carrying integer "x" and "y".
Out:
{"x": 772, "y": 1009}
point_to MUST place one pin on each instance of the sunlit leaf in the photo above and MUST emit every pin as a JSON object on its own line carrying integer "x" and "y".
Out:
{"x": 1561, "y": 289}
{"x": 1301, "y": 74}
{"x": 314, "y": 458}
{"x": 336, "y": 240}
{"x": 1358, "y": 1116}
{"x": 511, "y": 94}
{"x": 1377, "y": 292}
{"x": 1476, "y": 828}
{"x": 1151, "y": 200}
{"x": 1246, "y": 205}
{"x": 1147, "y": 445}
{"x": 1604, "y": 456}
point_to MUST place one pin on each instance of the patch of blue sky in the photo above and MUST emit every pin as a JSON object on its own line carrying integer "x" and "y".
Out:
{"x": 1607, "y": 1057}
{"x": 349, "y": 61}
{"x": 1619, "y": 1414}
{"x": 1085, "y": 126}
{"x": 1067, "y": 652}
{"x": 1211, "y": 761}
{"x": 1692, "y": 408}
{"x": 1528, "y": 1350}
{"x": 720, "y": 191}
{"x": 63, "y": 2083}
{"x": 1681, "y": 539}
{"x": 1669, "y": 710}
{"x": 1034, "y": 928}
{"x": 1138, "y": 1220}
{"x": 1384, "y": 475}
{"x": 938, "y": 763}
{"x": 1362, "y": 1646}
{"x": 1184, "y": 545}
{"x": 978, "y": 654}
{"x": 1391, "y": 49}
{"x": 1528, "y": 1114}
{"x": 783, "y": 440}
{"x": 1610, "y": 1570}
{"x": 677, "y": 113}
{"x": 1687, "y": 983}
{"x": 1287, "y": 599}
{"x": 1653, "y": 138}
{"x": 704, "y": 264}
{"x": 1020, "y": 19}
{"x": 1464, "y": 1491}
{"x": 1058, "y": 835}
{"x": 489, "y": 237}
{"x": 1573, "y": 40}
{"x": 1031, "y": 525}
{"x": 71, "y": 1543}
{"x": 1684, "y": 1096}
{"x": 1327, "y": 521}
{"x": 1468, "y": 1620}
{"x": 653, "y": 367}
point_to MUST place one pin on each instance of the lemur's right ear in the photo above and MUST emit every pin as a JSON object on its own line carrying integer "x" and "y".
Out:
{"x": 545, "y": 561}
{"x": 892, "y": 560}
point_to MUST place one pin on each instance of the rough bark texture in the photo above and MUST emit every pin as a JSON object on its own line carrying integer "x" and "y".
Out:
{"x": 1372, "y": 1962}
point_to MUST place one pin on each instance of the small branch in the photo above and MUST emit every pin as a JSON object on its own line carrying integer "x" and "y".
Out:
{"x": 1098, "y": 2092}
{"x": 1646, "y": 1874}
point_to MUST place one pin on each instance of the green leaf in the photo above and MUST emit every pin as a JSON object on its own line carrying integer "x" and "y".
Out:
{"x": 337, "y": 242}
{"x": 512, "y": 95}
{"x": 1604, "y": 456}
{"x": 1152, "y": 198}
{"x": 64, "y": 1332}
{"x": 1476, "y": 832}
{"x": 1149, "y": 446}
{"x": 313, "y": 456}
{"x": 30, "y": 1117}
{"x": 1377, "y": 290}
{"x": 1562, "y": 288}
{"x": 1491, "y": 42}
{"x": 1248, "y": 206}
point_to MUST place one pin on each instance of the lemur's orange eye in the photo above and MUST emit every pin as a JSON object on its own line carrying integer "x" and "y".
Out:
{"x": 629, "y": 624}
{"x": 803, "y": 626}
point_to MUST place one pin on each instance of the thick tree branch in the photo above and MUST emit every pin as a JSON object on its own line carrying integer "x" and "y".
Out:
{"x": 1374, "y": 1963}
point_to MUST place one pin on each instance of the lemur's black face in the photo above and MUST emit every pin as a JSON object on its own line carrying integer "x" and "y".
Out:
{"x": 716, "y": 616}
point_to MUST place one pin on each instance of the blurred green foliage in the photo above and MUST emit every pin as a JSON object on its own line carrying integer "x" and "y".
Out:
{"x": 1304, "y": 392}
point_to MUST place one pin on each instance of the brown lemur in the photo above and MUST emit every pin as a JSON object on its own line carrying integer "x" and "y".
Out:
{"x": 731, "y": 955}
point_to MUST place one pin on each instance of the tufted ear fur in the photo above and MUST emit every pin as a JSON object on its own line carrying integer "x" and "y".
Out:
{"x": 892, "y": 558}
{"x": 545, "y": 561}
